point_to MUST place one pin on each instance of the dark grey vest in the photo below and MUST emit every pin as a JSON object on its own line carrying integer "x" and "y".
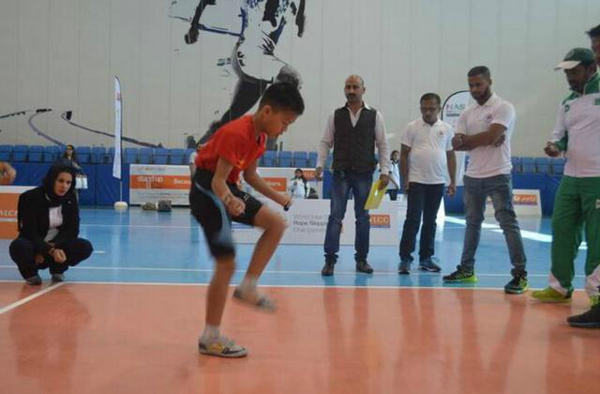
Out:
{"x": 354, "y": 147}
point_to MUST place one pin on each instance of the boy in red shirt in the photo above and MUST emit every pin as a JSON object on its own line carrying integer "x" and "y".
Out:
{"x": 216, "y": 200}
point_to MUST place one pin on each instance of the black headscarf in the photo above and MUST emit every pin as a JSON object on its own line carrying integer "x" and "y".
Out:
{"x": 50, "y": 180}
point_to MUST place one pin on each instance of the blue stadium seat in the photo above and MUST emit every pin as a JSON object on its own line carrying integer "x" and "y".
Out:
{"x": 187, "y": 154}
{"x": 542, "y": 165}
{"x": 146, "y": 155}
{"x": 36, "y": 152}
{"x": 516, "y": 162}
{"x": 5, "y": 152}
{"x": 161, "y": 156}
{"x": 285, "y": 159}
{"x": 83, "y": 154}
{"x": 51, "y": 153}
{"x": 270, "y": 158}
{"x": 558, "y": 169}
{"x": 110, "y": 156}
{"x": 176, "y": 156}
{"x": 312, "y": 159}
{"x": 301, "y": 159}
{"x": 20, "y": 153}
{"x": 130, "y": 156}
{"x": 97, "y": 155}
{"x": 528, "y": 164}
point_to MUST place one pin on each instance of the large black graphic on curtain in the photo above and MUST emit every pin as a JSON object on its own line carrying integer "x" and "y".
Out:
{"x": 258, "y": 26}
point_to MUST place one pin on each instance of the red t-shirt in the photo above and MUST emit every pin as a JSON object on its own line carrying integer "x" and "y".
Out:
{"x": 235, "y": 142}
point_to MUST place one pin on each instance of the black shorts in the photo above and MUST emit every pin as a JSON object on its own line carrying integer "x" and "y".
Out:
{"x": 212, "y": 215}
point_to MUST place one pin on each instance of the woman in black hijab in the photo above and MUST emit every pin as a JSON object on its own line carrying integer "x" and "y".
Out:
{"x": 48, "y": 219}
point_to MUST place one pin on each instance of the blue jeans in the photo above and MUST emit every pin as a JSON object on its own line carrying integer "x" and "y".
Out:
{"x": 423, "y": 200}
{"x": 499, "y": 188}
{"x": 343, "y": 183}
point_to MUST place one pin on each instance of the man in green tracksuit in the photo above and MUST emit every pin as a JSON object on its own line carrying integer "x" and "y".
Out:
{"x": 577, "y": 205}
{"x": 590, "y": 318}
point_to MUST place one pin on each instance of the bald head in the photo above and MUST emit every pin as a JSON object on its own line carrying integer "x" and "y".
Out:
{"x": 354, "y": 88}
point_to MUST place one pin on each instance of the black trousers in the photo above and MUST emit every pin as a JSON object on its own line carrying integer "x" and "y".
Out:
{"x": 23, "y": 254}
{"x": 423, "y": 200}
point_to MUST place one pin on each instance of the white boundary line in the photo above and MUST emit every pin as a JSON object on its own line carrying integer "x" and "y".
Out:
{"x": 32, "y": 297}
{"x": 316, "y": 272}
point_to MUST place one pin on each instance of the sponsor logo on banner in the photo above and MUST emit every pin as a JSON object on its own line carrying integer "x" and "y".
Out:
{"x": 160, "y": 182}
{"x": 525, "y": 199}
{"x": 380, "y": 221}
{"x": 520, "y": 199}
{"x": 279, "y": 184}
{"x": 8, "y": 205}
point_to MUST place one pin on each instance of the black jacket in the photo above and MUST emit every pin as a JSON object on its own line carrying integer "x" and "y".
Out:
{"x": 34, "y": 219}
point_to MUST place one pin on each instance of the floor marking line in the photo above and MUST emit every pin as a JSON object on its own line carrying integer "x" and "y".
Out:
{"x": 29, "y": 298}
{"x": 384, "y": 273}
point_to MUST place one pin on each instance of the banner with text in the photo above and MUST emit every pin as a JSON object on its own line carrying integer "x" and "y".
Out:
{"x": 526, "y": 202}
{"x": 151, "y": 183}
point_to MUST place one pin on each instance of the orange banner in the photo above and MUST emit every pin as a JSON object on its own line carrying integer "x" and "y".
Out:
{"x": 8, "y": 215}
{"x": 279, "y": 184}
{"x": 160, "y": 182}
{"x": 525, "y": 199}
{"x": 380, "y": 220}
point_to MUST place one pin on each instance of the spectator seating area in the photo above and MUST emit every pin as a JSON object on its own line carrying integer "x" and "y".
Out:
{"x": 101, "y": 155}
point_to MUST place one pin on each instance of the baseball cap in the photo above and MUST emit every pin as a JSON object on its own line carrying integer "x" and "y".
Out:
{"x": 575, "y": 57}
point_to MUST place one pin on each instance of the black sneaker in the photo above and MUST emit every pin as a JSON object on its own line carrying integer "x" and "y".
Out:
{"x": 589, "y": 319}
{"x": 57, "y": 278}
{"x": 363, "y": 266}
{"x": 430, "y": 265}
{"x": 34, "y": 280}
{"x": 517, "y": 285}
{"x": 404, "y": 267}
{"x": 328, "y": 268}
{"x": 460, "y": 276}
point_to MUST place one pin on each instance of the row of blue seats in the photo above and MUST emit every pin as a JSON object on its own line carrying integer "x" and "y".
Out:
{"x": 94, "y": 155}
{"x": 538, "y": 165}
{"x": 101, "y": 155}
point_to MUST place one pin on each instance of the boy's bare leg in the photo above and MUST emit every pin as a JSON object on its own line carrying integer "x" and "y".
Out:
{"x": 212, "y": 342}
{"x": 217, "y": 290}
{"x": 274, "y": 227}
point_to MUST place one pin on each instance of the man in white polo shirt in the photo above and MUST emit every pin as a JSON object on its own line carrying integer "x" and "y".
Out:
{"x": 577, "y": 206}
{"x": 485, "y": 129}
{"x": 426, "y": 159}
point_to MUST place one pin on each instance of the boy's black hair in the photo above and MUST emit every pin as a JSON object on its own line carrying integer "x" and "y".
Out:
{"x": 594, "y": 32}
{"x": 480, "y": 70}
{"x": 431, "y": 96}
{"x": 283, "y": 96}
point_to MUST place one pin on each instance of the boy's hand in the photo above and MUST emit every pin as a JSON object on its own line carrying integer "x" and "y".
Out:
{"x": 235, "y": 206}
{"x": 287, "y": 201}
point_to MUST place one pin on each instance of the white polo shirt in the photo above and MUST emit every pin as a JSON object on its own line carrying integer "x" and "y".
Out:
{"x": 579, "y": 120}
{"x": 487, "y": 161}
{"x": 428, "y": 145}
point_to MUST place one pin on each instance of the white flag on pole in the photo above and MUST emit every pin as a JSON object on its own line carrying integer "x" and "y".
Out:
{"x": 118, "y": 127}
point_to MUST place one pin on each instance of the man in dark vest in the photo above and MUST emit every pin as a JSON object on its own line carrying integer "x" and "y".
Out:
{"x": 353, "y": 131}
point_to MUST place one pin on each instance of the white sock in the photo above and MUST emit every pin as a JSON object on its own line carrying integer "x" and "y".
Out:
{"x": 248, "y": 284}
{"x": 210, "y": 332}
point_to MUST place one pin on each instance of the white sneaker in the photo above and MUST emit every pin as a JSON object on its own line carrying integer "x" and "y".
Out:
{"x": 221, "y": 347}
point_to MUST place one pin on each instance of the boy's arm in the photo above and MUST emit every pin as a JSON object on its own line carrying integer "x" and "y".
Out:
{"x": 234, "y": 205}
{"x": 259, "y": 184}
